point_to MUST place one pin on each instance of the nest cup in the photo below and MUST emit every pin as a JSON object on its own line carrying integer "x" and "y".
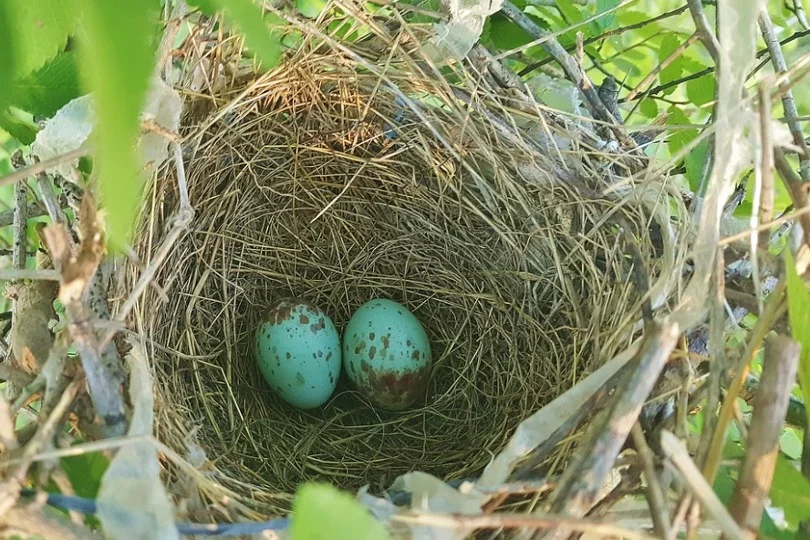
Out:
{"x": 318, "y": 181}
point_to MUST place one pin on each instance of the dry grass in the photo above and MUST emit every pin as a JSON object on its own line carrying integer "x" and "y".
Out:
{"x": 299, "y": 190}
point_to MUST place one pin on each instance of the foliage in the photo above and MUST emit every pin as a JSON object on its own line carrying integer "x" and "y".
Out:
{"x": 322, "y": 512}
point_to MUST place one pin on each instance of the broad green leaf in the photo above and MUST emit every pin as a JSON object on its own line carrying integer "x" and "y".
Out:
{"x": 321, "y": 512}
{"x": 504, "y": 34}
{"x": 790, "y": 443}
{"x": 252, "y": 22}
{"x": 117, "y": 55}
{"x": 48, "y": 89}
{"x": 649, "y": 108}
{"x": 790, "y": 491}
{"x": 311, "y": 8}
{"x": 20, "y": 128}
{"x": 799, "y": 314}
{"x": 674, "y": 70}
{"x": 39, "y": 31}
{"x": 606, "y": 22}
{"x": 84, "y": 472}
{"x": 681, "y": 135}
{"x": 695, "y": 161}
{"x": 569, "y": 11}
{"x": 701, "y": 90}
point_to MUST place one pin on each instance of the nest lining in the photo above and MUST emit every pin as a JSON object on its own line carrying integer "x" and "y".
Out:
{"x": 300, "y": 190}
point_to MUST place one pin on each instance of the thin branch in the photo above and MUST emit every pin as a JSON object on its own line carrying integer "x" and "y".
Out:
{"x": 572, "y": 70}
{"x": 33, "y": 210}
{"x": 766, "y": 201}
{"x": 788, "y": 103}
{"x": 762, "y": 443}
{"x": 511, "y": 521}
{"x": 655, "y": 496}
{"x": 49, "y": 199}
{"x": 773, "y": 311}
{"x": 583, "y": 478}
{"x": 704, "y": 29}
{"x": 618, "y": 31}
{"x": 42, "y": 166}
{"x": 797, "y": 192}
{"x": 677, "y": 453}
{"x": 674, "y": 55}
{"x": 20, "y": 242}
{"x": 44, "y": 274}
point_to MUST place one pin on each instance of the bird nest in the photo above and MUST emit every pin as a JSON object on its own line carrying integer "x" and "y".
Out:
{"x": 342, "y": 176}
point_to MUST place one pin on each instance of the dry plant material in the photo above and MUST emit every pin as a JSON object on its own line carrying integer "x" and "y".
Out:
{"x": 762, "y": 443}
{"x": 585, "y": 477}
{"x": 316, "y": 181}
{"x": 104, "y": 377}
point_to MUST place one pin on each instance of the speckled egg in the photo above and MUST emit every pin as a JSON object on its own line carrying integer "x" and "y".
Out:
{"x": 386, "y": 354}
{"x": 298, "y": 352}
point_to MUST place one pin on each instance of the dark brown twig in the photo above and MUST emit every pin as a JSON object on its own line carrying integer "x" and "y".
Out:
{"x": 762, "y": 443}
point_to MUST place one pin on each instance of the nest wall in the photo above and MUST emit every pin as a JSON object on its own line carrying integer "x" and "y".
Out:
{"x": 317, "y": 181}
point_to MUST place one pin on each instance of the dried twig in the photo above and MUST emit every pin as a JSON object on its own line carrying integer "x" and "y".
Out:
{"x": 504, "y": 521}
{"x": 773, "y": 310}
{"x": 33, "y": 210}
{"x": 704, "y": 29}
{"x": 762, "y": 443}
{"x": 43, "y": 166}
{"x": 797, "y": 192}
{"x": 788, "y": 103}
{"x": 104, "y": 376}
{"x": 179, "y": 224}
{"x": 655, "y": 496}
{"x": 35, "y": 274}
{"x": 701, "y": 489}
{"x": 20, "y": 238}
{"x": 766, "y": 200}
{"x": 583, "y": 478}
{"x": 50, "y": 200}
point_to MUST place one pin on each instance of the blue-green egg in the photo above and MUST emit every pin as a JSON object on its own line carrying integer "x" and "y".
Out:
{"x": 386, "y": 354}
{"x": 298, "y": 352}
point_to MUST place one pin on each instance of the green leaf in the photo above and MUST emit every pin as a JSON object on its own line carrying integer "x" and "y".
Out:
{"x": 648, "y": 108}
{"x": 695, "y": 161}
{"x": 84, "y": 472}
{"x": 790, "y": 443}
{"x": 790, "y": 491}
{"x": 39, "y": 31}
{"x": 311, "y": 8}
{"x": 19, "y": 128}
{"x": 47, "y": 90}
{"x": 681, "y": 135}
{"x": 606, "y": 22}
{"x": 117, "y": 55}
{"x": 250, "y": 20}
{"x": 673, "y": 71}
{"x": 799, "y": 315}
{"x": 701, "y": 90}
{"x": 505, "y": 35}
{"x": 321, "y": 512}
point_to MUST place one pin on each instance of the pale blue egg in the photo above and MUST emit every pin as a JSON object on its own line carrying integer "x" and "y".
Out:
{"x": 298, "y": 353}
{"x": 386, "y": 354}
